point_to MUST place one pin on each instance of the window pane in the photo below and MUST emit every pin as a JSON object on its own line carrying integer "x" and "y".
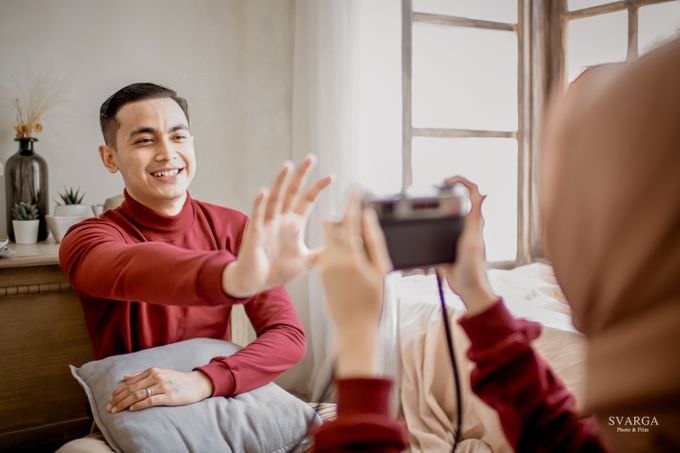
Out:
{"x": 495, "y": 10}
{"x": 464, "y": 78}
{"x": 595, "y": 40}
{"x": 580, "y": 4}
{"x": 656, "y": 24}
{"x": 489, "y": 162}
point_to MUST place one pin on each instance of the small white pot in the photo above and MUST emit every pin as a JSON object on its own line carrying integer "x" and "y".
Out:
{"x": 72, "y": 210}
{"x": 25, "y": 231}
{"x": 60, "y": 225}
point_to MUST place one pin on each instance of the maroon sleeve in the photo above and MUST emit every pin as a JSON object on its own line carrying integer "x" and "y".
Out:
{"x": 535, "y": 409}
{"x": 280, "y": 344}
{"x": 364, "y": 422}
{"x": 100, "y": 263}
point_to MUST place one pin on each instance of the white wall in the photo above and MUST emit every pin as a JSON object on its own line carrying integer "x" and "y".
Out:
{"x": 230, "y": 59}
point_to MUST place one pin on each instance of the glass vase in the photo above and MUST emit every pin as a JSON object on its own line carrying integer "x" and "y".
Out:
{"x": 26, "y": 180}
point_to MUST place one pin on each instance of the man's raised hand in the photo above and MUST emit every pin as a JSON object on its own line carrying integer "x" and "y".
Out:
{"x": 273, "y": 250}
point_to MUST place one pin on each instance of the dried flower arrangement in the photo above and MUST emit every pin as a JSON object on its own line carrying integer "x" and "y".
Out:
{"x": 41, "y": 96}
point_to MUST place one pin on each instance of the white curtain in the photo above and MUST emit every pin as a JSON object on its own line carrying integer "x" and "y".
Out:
{"x": 346, "y": 109}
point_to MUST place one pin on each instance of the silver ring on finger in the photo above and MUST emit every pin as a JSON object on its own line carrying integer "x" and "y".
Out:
{"x": 148, "y": 392}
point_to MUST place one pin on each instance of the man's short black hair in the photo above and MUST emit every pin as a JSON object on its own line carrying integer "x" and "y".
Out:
{"x": 132, "y": 93}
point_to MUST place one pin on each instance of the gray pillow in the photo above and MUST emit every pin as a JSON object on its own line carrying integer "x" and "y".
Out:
{"x": 267, "y": 419}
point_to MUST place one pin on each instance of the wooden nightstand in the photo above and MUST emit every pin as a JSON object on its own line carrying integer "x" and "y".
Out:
{"x": 42, "y": 331}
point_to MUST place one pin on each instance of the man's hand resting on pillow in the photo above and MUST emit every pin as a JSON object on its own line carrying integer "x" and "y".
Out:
{"x": 273, "y": 250}
{"x": 467, "y": 276}
{"x": 159, "y": 387}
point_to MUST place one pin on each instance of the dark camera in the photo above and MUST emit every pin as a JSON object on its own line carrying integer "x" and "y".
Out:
{"x": 422, "y": 230}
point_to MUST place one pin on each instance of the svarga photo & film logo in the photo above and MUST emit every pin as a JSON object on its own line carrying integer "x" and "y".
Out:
{"x": 634, "y": 424}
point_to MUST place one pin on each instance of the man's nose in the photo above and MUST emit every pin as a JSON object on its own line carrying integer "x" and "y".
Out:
{"x": 166, "y": 149}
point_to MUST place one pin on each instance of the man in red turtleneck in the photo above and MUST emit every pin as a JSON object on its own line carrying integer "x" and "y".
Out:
{"x": 164, "y": 267}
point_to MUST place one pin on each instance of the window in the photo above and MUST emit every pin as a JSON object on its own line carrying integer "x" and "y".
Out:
{"x": 463, "y": 67}
{"x": 606, "y": 31}
{"x": 476, "y": 75}
{"x": 657, "y": 24}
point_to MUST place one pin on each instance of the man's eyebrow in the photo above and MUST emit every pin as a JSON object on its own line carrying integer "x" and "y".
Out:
{"x": 179, "y": 127}
{"x": 151, "y": 130}
{"x": 142, "y": 130}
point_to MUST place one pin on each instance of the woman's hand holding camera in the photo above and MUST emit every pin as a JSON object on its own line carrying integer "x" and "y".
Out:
{"x": 467, "y": 276}
{"x": 353, "y": 266}
{"x": 355, "y": 261}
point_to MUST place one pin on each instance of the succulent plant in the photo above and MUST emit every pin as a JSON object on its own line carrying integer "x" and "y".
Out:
{"x": 71, "y": 196}
{"x": 25, "y": 211}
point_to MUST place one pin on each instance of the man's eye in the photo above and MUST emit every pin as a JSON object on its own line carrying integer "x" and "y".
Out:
{"x": 143, "y": 141}
{"x": 180, "y": 137}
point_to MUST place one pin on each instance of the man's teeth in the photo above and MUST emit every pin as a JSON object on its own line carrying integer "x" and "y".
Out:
{"x": 166, "y": 173}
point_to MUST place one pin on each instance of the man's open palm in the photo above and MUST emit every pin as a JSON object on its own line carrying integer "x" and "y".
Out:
{"x": 273, "y": 250}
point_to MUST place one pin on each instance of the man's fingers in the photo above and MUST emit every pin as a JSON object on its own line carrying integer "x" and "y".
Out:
{"x": 258, "y": 215}
{"x": 129, "y": 386}
{"x": 122, "y": 404}
{"x": 129, "y": 379}
{"x": 376, "y": 248}
{"x": 138, "y": 376}
{"x": 296, "y": 182}
{"x": 154, "y": 400}
{"x": 311, "y": 194}
{"x": 135, "y": 393}
{"x": 122, "y": 386}
{"x": 150, "y": 395}
{"x": 128, "y": 376}
{"x": 274, "y": 202}
{"x": 126, "y": 400}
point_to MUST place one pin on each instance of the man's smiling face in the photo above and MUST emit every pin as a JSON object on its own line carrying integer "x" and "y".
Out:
{"x": 154, "y": 152}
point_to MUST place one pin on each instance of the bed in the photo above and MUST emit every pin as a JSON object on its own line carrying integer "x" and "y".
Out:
{"x": 424, "y": 394}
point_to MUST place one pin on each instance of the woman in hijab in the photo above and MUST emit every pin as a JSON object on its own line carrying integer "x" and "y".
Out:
{"x": 610, "y": 216}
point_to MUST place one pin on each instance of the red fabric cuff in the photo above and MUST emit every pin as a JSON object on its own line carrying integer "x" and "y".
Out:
{"x": 489, "y": 327}
{"x": 361, "y": 433}
{"x": 222, "y": 378}
{"x": 209, "y": 281}
{"x": 363, "y": 396}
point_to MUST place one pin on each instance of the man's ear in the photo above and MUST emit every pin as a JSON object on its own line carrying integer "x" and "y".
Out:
{"x": 109, "y": 158}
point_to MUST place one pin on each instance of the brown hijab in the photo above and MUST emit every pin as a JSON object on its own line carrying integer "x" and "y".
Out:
{"x": 610, "y": 203}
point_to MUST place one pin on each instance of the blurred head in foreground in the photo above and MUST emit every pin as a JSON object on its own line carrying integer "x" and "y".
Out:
{"x": 610, "y": 218}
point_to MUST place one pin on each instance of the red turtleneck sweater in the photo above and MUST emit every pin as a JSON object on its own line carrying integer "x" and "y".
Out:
{"x": 145, "y": 279}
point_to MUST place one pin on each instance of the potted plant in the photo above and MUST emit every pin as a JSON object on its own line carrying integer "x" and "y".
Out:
{"x": 25, "y": 223}
{"x": 67, "y": 213}
{"x": 71, "y": 204}
{"x": 26, "y": 171}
